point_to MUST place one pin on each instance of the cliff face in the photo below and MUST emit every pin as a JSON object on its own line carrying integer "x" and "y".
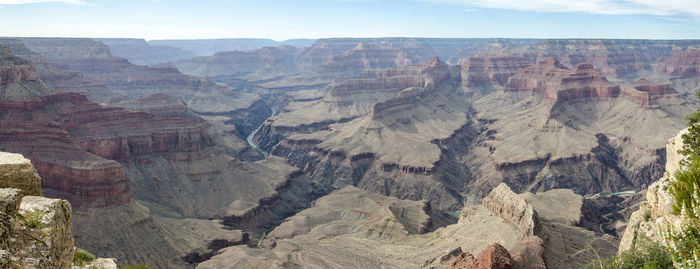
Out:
{"x": 478, "y": 71}
{"x": 656, "y": 211}
{"x": 18, "y": 78}
{"x": 682, "y": 65}
{"x": 35, "y": 231}
{"x": 622, "y": 60}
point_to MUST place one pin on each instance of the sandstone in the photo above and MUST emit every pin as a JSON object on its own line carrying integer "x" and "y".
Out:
{"x": 503, "y": 202}
{"x": 47, "y": 231}
{"x": 18, "y": 172}
{"x": 494, "y": 256}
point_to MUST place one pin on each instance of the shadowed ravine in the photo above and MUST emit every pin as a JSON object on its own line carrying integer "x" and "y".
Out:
{"x": 252, "y": 134}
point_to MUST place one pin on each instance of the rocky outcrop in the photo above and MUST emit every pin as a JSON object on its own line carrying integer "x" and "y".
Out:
{"x": 19, "y": 173}
{"x": 656, "y": 212}
{"x": 35, "y": 232}
{"x": 503, "y": 202}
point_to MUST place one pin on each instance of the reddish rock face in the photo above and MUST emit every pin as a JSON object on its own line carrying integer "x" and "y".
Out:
{"x": 682, "y": 65}
{"x": 620, "y": 59}
{"x": 74, "y": 144}
{"x": 494, "y": 256}
{"x": 560, "y": 85}
{"x": 491, "y": 70}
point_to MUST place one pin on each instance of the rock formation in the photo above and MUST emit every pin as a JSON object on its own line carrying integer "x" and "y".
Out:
{"x": 656, "y": 212}
{"x": 18, "y": 172}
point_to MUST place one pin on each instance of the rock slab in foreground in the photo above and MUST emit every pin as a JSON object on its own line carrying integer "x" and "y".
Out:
{"x": 18, "y": 172}
{"x": 37, "y": 231}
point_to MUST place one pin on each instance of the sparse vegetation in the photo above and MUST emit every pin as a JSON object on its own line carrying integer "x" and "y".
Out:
{"x": 81, "y": 257}
{"x": 691, "y": 140}
{"x": 652, "y": 255}
{"x": 32, "y": 220}
{"x": 135, "y": 266}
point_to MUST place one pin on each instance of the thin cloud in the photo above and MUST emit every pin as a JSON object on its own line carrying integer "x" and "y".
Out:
{"x": 607, "y": 7}
{"x": 24, "y": 2}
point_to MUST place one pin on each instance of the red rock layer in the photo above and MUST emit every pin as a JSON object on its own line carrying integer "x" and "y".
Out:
{"x": 683, "y": 65}
{"x": 73, "y": 143}
{"x": 560, "y": 85}
{"x": 491, "y": 70}
{"x": 12, "y": 74}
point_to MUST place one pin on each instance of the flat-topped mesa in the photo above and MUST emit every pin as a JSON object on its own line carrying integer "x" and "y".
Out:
{"x": 503, "y": 202}
{"x": 494, "y": 70}
{"x": 538, "y": 77}
{"x": 583, "y": 82}
{"x": 683, "y": 65}
{"x": 67, "y": 48}
{"x": 367, "y": 56}
{"x": 646, "y": 93}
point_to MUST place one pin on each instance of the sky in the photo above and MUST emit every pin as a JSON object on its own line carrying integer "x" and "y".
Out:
{"x": 288, "y": 19}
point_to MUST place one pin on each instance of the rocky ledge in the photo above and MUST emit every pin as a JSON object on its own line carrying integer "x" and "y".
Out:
{"x": 35, "y": 231}
{"x": 656, "y": 212}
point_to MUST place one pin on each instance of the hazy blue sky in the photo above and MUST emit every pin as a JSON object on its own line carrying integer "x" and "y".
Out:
{"x": 284, "y": 19}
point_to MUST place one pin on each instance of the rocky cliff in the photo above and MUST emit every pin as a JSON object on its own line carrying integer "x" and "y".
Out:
{"x": 656, "y": 211}
{"x": 35, "y": 232}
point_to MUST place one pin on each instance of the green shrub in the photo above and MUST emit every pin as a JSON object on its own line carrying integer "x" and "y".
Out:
{"x": 32, "y": 220}
{"x": 135, "y": 266}
{"x": 82, "y": 257}
{"x": 685, "y": 187}
{"x": 652, "y": 255}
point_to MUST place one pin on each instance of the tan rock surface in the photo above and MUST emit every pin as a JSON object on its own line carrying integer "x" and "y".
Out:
{"x": 558, "y": 205}
{"x": 18, "y": 172}
{"x": 354, "y": 228}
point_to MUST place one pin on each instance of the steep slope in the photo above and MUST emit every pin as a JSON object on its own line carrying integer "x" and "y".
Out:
{"x": 109, "y": 161}
{"x": 574, "y": 129}
{"x": 656, "y": 211}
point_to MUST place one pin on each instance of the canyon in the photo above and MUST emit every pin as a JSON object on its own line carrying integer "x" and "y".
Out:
{"x": 343, "y": 152}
